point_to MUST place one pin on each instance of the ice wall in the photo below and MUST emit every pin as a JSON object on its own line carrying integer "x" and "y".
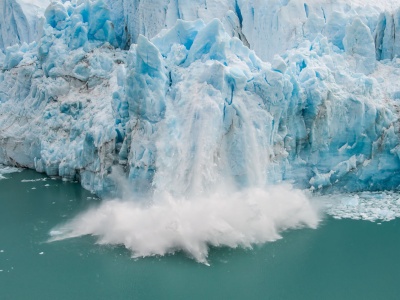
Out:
{"x": 268, "y": 26}
{"x": 194, "y": 105}
{"x": 56, "y": 98}
{"x": 21, "y": 21}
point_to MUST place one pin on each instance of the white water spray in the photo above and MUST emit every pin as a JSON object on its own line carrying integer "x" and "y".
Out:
{"x": 171, "y": 224}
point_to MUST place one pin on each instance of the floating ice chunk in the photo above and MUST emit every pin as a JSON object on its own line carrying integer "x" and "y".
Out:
{"x": 33, "y": 180}
{"x": 7, "y": 170}
{"x": 371, "y": 206}
{"x": 351, "y": 201}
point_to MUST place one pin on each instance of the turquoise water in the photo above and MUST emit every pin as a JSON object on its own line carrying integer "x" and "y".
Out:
{"x": 342, "y": 259}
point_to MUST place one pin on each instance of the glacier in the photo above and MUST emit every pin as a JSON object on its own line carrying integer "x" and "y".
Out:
{"x": 176, "y": 99}
{"x": 21, "y": 21}
{"x": 74, "y": 105}
{"x": 268, "y": 27}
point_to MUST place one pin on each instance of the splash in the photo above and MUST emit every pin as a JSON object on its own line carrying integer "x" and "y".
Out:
{"x": 169, "y": 224}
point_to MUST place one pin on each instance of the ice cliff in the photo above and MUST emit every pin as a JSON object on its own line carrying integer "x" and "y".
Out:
{"x": 21, "y": 21}
{"x": 269, "y": 26}
{"x": 314, "y": 102}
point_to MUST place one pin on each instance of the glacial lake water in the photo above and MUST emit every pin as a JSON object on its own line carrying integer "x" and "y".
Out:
{"x": 342, "y": 259}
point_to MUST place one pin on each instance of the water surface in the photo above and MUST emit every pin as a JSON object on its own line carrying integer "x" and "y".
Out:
{"x": 342, "y": 259}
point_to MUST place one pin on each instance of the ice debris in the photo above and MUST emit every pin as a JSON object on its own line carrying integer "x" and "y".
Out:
{"x": 7, "y": 170}
{"x": 371, "y": 206}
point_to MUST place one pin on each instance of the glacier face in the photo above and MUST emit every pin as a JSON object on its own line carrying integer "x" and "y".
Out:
{"x": 21, "y": 21}
{"x": 268, "y": 27}
{"x": 194, "y": 105}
